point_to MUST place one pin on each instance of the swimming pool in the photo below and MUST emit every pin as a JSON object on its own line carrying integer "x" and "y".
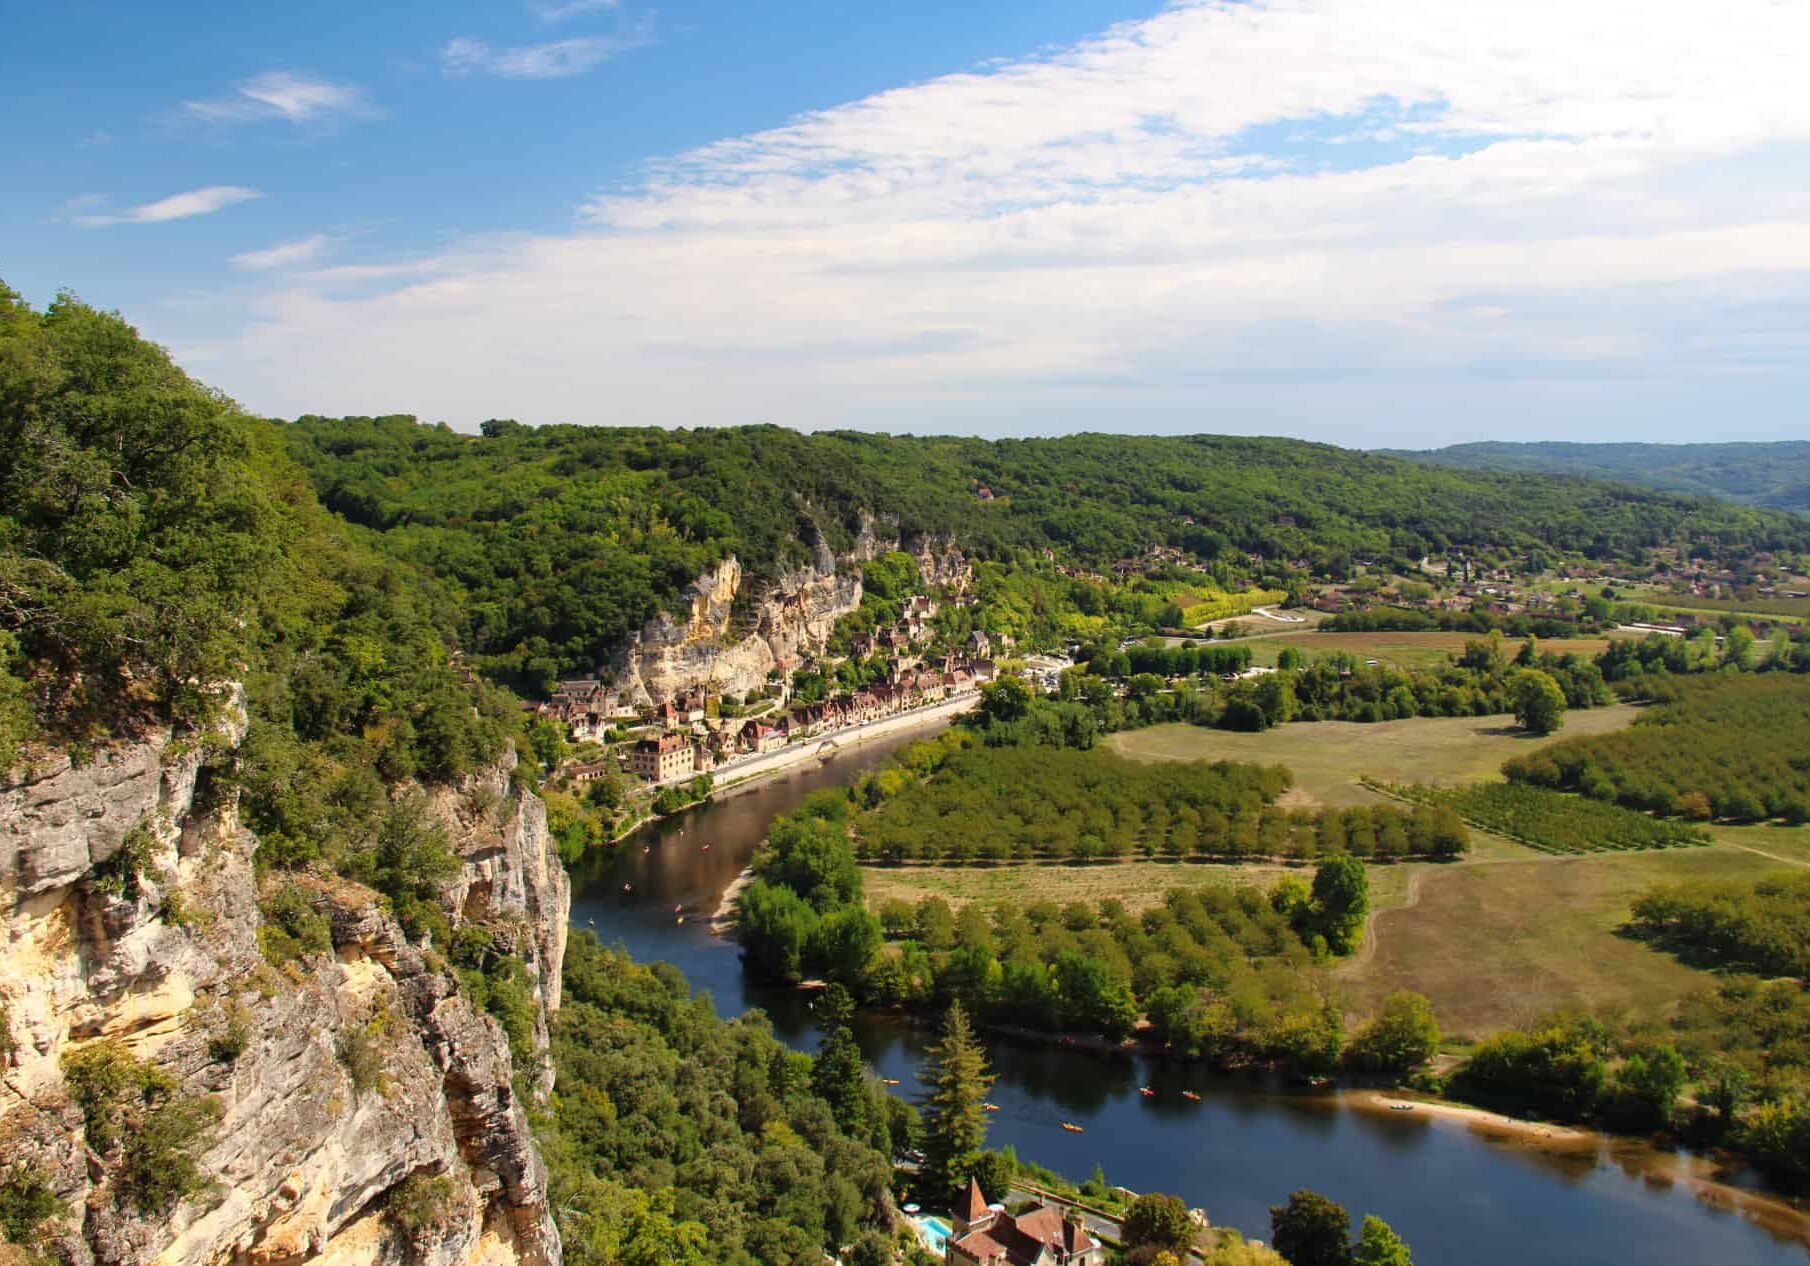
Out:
{"x": 935, "y": 1234}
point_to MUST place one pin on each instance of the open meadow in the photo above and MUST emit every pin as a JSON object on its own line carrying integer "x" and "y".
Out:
{"x": 1494, "y": 943}
{"x": 1329, "y": 757}
{"x": 1402, "y": 649}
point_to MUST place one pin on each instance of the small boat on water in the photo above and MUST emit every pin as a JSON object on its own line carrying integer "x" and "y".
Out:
{"x": 1072, "y": 1128}
{"x": 1190, "y": 1096}
{"x": 1147, "y": 1092}
{"x": 1401, "y": 1107}
{"x": 990, "y": 1107}
{"x": 628, "y": 887}
{"x": 592, "y": 922}
{"x": 681, "y": 919}
{"x": 889, "y": 1081}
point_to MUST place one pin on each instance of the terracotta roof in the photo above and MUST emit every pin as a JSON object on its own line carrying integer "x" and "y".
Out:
{"x": 981, "y": 1246}
{"x": 1021, "y": 1239}
{"x": 974, "y": 1204}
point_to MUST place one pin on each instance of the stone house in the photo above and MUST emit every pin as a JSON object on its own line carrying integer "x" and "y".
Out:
{"x": 662, "y": 759}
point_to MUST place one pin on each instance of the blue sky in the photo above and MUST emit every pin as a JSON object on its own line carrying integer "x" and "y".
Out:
{"x": 1367, "y": 221}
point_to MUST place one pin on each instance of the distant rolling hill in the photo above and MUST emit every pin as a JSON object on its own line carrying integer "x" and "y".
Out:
{"x": 1774, "y": 474}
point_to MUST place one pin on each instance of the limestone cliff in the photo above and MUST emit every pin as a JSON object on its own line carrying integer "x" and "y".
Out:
{"x": 793, "y": 617}
{"x": 365, "y": 1111}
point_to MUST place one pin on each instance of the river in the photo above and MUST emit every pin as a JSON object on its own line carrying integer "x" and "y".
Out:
{"x": 1460, "y": 1198}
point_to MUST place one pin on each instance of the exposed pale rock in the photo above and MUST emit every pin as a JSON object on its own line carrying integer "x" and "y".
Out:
{"x": 795, "y": 617}
{"x": 303, "y": 1161}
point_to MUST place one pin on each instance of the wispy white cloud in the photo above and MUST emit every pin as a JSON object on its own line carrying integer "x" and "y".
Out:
{"x": 293, "y": 254}
{"x": 280, "y": 94}
{"x": 560, "y": 10}
{"x": 178, "y": 206}
{"x": 1276, "y": 190}
{"x": 559, "y": 59}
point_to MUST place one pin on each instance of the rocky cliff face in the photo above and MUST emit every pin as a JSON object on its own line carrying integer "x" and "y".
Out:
{"x": 365, "y": 1111}
{"x": 795, "y": 617}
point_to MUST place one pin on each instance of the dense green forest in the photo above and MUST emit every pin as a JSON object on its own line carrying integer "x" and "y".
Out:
{"x": 676, "y": 1138}
{"x": 1720, "y": 745}
{"x": 561, "y": 540}
{"x": 1762, "y": 926}
{"x": 1770, "y": 474}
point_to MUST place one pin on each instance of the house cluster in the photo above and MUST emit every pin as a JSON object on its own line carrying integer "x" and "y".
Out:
{"x": 981, "y": 1234}
{"x": 588, "y": 708}
{"x": 910, "y": 684}
{"x": 914, "y": 628}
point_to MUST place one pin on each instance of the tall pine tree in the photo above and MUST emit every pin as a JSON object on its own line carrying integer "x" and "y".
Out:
{"x": 955, "y": 1123}
{"x": 838, "y": 1074}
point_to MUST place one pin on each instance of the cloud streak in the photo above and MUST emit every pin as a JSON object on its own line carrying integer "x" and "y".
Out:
{"x": 293, "y": 254}
{"x": 561, "y": 10}
{"x": 559, "y": 59}
{"x": 1284, "y": 191}
{"x": 178, "y": 206}
{"x": 280, "y": 94}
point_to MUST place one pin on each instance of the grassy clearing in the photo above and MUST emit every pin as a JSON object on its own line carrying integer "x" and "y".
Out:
{"x": 1403, "y": 650}
{"x": 1329, "y": 756}
{"x": 1788, "y": 843}
{"x": 1500, "y": 944}
{"x": 1138, "y": 884}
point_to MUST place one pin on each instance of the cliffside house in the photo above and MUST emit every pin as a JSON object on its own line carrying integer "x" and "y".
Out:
{"x": 986, "y": 1235}
{"x": 662, "y": 759}
{"x": 590, "y": 771}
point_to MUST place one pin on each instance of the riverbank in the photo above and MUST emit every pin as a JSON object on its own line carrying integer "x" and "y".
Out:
{"x": 1705, "y": 1176}
{"x": 754, "y": 771}
{"x": 772, "y": 765}
{"x": 1480, "y": 1119}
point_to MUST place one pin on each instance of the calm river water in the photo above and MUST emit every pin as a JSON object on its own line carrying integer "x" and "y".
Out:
{"x": 1460, "y": 1199}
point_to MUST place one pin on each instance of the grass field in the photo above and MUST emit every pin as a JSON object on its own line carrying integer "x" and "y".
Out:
{"x": 1138, "y": 884}
{"x": 1403, "y": 650}
{"x": 1494, "y": 944}
{"x": 1329, "y": 756}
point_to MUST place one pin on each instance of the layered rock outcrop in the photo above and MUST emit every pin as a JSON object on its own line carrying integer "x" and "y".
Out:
{"x": 365, "y": 1111}
{"x": 708, "y": 650}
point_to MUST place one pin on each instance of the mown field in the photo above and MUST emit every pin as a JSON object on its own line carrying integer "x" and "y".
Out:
{"x": 1139, "y": 884}
{"x": 1500, "y": 943}
{"x": 1403, "y": 650}
{"x": 1328, "y": 757}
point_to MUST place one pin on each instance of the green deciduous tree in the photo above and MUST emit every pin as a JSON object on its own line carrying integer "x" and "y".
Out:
{"x": 1311, "y": 1230}
{"x": 1157, "y": 1223}
{"x": 1538, "y": 702}
{"x": 1403, "y": 1036}
{"x": 1379, "y": 1245}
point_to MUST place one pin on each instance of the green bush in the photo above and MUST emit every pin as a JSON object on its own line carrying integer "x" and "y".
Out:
{"x": 133, "y": 1114}
{"x": 291, "y": 927}
{"x": 360, "y": 1052}
{"x": 122, "y": 875}
{"x": 423, "y": 1206}
{"x": 27, "y": 1202}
